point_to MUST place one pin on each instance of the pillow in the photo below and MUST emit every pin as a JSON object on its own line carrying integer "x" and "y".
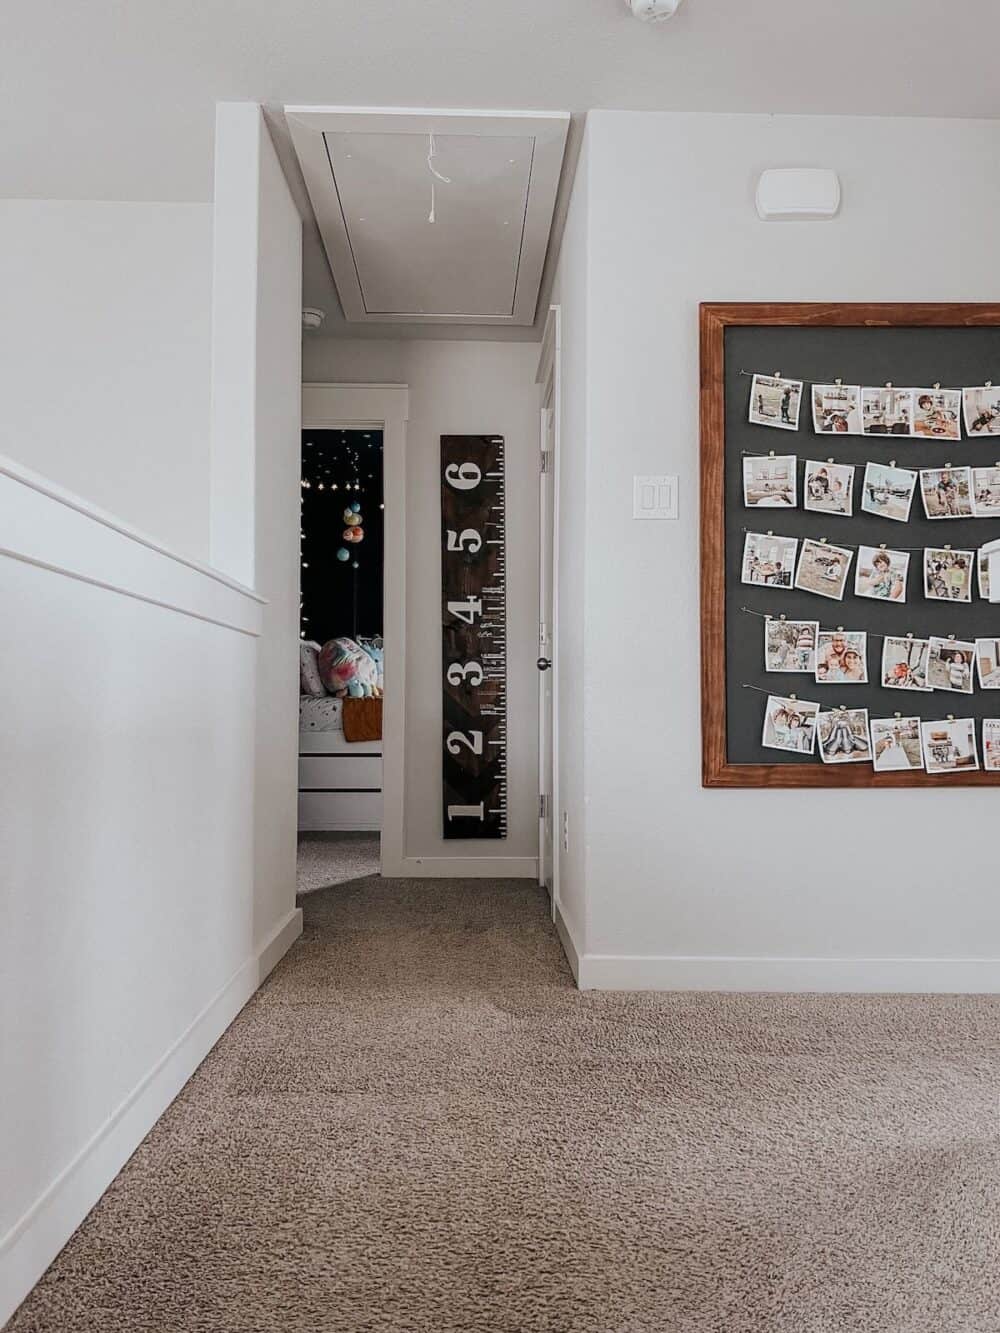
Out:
{"x": 309, "y": 678}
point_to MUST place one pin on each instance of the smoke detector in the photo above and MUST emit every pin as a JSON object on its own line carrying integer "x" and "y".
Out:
{"x": 653, "y": 11}
{"x": 312, "y": 318}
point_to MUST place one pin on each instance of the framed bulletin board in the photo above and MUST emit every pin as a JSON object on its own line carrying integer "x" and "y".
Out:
{"x": 851, "y": 344}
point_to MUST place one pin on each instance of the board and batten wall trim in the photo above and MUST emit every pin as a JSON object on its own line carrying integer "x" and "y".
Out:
{"x": 115, "y": 594}
{"x": 714, "y": 319}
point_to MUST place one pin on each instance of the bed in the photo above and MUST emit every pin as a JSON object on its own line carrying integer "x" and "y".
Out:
{"x": 340, "y": 781}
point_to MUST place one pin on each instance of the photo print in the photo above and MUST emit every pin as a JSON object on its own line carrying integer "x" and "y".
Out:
{"x": 768, "y": 560}
{"x": 775, "y": 402}
{"x": 823, "y": 568}
{"x": 950, "y": 664}
{"x": 790, "y": 645}
{"x": 950, "y": 745}
{"x": 896, "y": 744}
{"x": 888, "y": 491}
{"x": 904, "y": 662}
{"x": 948, "y": 574}
{"x": 982, "y": 410}
{"x": 828, "y": 488}
{"x": 986, "y": 492}
{"x": 836, "y": 409}
{"x": 991, "y": 743}
{"x": 988, "y": 663}
{"x": 937, "y": 413}
{"x": 881, "y": 573}
{"x": 983, "y": 572}
{"x": 842, "y": 657}
{"x": 843, "y": 736}
{"x": 946, "y": 492}
{"x": 886, "y": 411}
{"x": 789, "y": 724}
{"x": 769, "y": 483}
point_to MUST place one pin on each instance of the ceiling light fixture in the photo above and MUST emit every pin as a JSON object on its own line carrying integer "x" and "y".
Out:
{"x": 653, "y": 11}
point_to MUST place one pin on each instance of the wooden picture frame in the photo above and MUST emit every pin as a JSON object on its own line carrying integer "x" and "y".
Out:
{"x": 714, "y": 319}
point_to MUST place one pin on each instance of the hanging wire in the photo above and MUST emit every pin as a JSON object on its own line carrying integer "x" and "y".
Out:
{"x": 854, "y": 546}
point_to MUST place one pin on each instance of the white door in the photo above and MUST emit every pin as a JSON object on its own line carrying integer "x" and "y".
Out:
{"x": 546, "y": 785}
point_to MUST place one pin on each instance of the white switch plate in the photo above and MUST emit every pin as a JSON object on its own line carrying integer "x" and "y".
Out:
{"x": 654, "y": 497}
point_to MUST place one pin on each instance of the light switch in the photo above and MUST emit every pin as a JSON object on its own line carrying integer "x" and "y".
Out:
{"x": 654, "y": 497}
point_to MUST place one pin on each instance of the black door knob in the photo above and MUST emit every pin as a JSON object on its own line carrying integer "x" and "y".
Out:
{"x": 543, "y": 663}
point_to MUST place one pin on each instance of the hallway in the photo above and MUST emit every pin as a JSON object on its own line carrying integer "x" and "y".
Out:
{"x": 419, "y": 1124}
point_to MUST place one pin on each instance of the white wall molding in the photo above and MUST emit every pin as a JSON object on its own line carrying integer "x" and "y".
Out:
{"x": 567, "y": 941}
{"x": 463, "y": 867}
{"x": 971, "y": 976}
{"x": 46, "y": 526}
{"x": 37, "y": 1237}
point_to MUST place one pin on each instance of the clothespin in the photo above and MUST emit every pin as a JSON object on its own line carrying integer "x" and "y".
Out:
{"x": 840, "y": 629}
{"x": 989, "y": 384}
{"x": 829, "y": 460}
{"x": 838, "y": 380}
{"x": 910, "y": 635}
{"x": 793, "y": 698}
{"x": 937, "y": 384}
{"x": 781, "y": 617}
{"x": 888, "y": 384}
{"x": 769, "y": 533}
{"x": 892, "y": 462}
{"x": 946, "y": 548}
{"x": 776, "y": 375}
{"x": 770, "y": 453}
{"x": 951, "y": 717}
{"x": 822, "y": 541}
{"x": 898, "y": 716}
{"x": 951, "y": 636}
{"x": 881, "y": 546}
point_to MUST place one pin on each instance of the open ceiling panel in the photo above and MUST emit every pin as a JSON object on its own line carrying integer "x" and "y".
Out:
{"x": 432, "y": 216}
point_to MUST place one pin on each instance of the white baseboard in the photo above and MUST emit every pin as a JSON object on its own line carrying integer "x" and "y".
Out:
{"x": 568, "y": 942}
{"x": 861, "y": 975}
{"x": 38, "y": 1236}
{"x": 461, "y": 867}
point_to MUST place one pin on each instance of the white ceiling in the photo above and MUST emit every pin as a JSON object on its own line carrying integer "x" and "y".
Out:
{"x": 113, "y": 99}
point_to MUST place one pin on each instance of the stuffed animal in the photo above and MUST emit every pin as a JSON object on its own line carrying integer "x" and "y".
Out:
{"x": 347, "y": 670}
{"x": 373, "y": 647}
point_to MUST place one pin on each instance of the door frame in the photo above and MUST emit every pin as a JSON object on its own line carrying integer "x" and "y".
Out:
{"x": 549, "y": 377}
{"x": 384, "y": 407}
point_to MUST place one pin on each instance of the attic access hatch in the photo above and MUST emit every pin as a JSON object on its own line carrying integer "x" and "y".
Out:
{"x": 432, "y": 217}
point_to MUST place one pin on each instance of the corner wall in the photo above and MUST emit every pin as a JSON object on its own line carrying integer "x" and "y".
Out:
{"x": 754, "y": 889}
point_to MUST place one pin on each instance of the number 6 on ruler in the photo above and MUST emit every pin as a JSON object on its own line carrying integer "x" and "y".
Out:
{"x": 463, "y": 476}
{"x": 473, "y": 741}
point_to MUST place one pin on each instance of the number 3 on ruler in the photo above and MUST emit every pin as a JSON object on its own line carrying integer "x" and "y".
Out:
{"x": 472, "y": 741}
{"x": 471, "y": 671}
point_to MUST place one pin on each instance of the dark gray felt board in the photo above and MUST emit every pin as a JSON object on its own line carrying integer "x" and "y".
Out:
{"x": 908, "y": 357}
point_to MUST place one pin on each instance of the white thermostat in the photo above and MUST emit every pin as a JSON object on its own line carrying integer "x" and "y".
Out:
{"x": 797, "y": 194}
{"x": 654, "y": 497}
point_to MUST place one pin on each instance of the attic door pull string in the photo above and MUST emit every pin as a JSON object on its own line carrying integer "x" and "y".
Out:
{"x": 431, "y": 152}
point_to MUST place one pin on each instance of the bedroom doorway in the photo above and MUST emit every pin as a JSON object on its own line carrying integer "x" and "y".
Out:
{"x": 352, "y": 638}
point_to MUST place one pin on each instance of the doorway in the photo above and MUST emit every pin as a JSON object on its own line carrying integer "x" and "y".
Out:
{"x": 353, "y": 618}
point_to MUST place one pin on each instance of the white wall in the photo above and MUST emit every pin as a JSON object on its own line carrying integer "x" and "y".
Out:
{"x": 256, "y": 401}
{"x": 460, "y": 388}
{"x": 705, "y": 884}
{"x": 126, "y": 838}
{"x": 575, "y": 552}
{"x": 148, "y": 739}
{"x": 104, "y": 356}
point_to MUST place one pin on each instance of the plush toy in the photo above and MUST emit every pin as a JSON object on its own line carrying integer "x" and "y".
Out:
{"x": 347, "y": 670}
{"x": 373, "y": 647}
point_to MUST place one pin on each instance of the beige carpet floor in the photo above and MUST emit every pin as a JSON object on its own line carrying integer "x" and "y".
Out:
{"x": 326, "y": 859}
{"x": 418, "y": 1124}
